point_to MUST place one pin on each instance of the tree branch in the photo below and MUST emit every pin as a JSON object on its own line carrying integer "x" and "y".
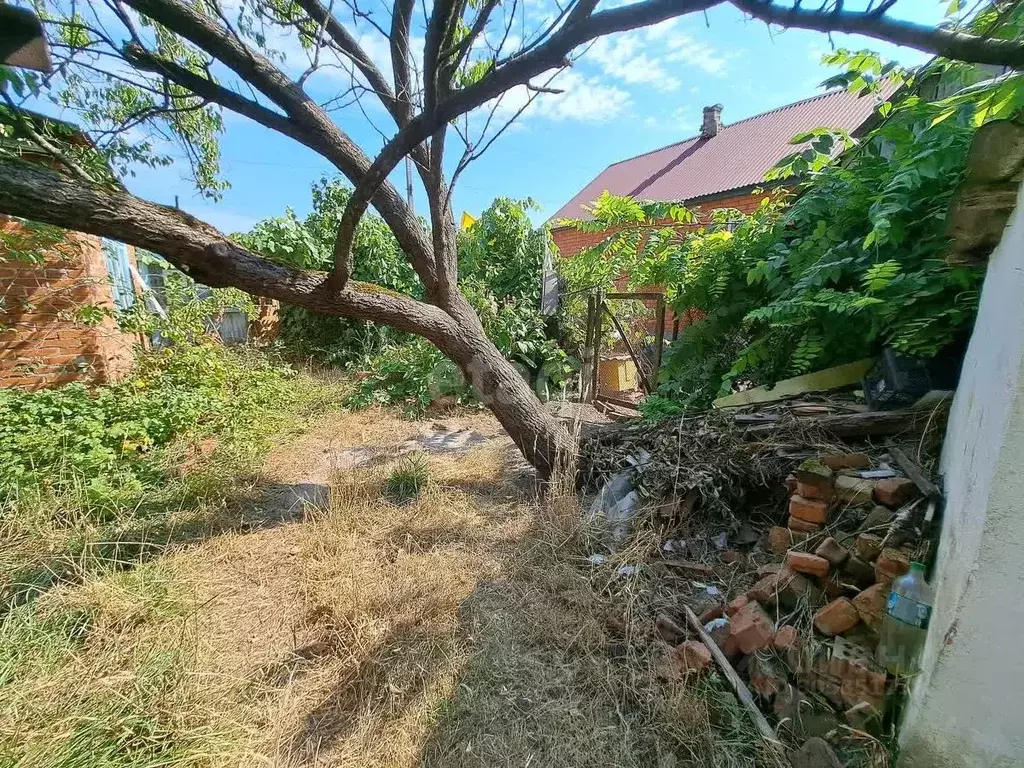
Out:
{"x": 950, "y": 43}
{"x": 517, "y": 71}
{"x": 207, "y": 89}
{"x": 328, "y": 140}
{"x": 201, "y": 251}
{"x": 401, "y": 21}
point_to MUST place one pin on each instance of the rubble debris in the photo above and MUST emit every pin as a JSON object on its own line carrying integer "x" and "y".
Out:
{"x": 868, "y": 546}
{"x": 891, "y": 564}
{"x": 797, "y": 525}
{"x": 837, "y": 461}
{"x": 786, "y": 638}
{"x": 858, "y": 572}
{"x": 860, "y": 679}
{"x": 736, "y": 605}
{"x": 750, "y": 629}
{"x": 830, "y": 550}
{"x": 808, "y": 510}
{"x": 928, "y": 489}
{"x": 863, "y": 717}
{"x": 895, "y": 491}
{"x": 871, "y": 605}
{"x": 669, "y": 631}
{"x": 854, "y": 489}
{"x": 837, "y": 617}
{"x": 877, "y": 518}
{"x": 741, "y": 690}
{"x": 694, "y": 657}
{"x": 766, "y": 676}
{"x": 812, "y": 565}
{"x": 815, "y": 753}
{"x": 781, "y": 540}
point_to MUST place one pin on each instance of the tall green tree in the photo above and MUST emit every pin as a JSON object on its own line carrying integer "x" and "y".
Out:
{"x": 178, "y": 65}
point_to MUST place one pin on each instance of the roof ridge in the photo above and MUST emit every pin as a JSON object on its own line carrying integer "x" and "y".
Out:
{"x": 831, "y": 92}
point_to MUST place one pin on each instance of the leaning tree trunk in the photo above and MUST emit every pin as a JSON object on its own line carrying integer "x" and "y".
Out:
{"x": 541, "y": 438}
{"x": 206, "y": 255}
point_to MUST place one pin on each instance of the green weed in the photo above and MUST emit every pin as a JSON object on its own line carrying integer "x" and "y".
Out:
{"x": 408, "y": 478}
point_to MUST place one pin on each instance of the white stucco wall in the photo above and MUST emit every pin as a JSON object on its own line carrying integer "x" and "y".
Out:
{"x": 967, "y": 706}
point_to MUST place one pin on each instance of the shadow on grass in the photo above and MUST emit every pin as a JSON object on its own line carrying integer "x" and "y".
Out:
{"x": 182, "y": 521}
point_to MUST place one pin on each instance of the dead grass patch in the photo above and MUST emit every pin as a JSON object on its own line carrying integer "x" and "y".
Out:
{"x": 465, "y": 628}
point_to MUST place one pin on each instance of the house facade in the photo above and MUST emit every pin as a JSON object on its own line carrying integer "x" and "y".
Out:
{"x": 721, "y": 167}
{"x": 56, "y": 311}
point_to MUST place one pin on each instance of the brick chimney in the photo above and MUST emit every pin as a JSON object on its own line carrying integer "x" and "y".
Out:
{"x": 712, "y": 121}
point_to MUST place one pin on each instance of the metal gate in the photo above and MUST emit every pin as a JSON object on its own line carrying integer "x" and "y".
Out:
{"x": 624, "y": 339}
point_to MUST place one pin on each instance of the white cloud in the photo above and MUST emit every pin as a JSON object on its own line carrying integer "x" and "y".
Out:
{"x": 684, "y": 48}
{"x": 622, "y": 57}
{"x": 586, "y": 99}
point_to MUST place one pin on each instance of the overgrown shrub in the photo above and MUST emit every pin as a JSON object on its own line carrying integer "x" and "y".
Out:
{"x": 852, "y": 262}
{"x": 501, "y": 256}
{"x": 106, "y": 437}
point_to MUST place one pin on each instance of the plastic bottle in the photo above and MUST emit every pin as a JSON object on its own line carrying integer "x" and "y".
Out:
{"x": 905, "y": 624}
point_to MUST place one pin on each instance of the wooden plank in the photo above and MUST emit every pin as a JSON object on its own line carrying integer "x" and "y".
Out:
{"x": 819, "y": 381}
{"x": 915, "y": 473}
{"x": 740, "y": 688}
{"x": 659, "y": 336}
{"x": 644, "y": 381}
{"x": 871, "y": 423}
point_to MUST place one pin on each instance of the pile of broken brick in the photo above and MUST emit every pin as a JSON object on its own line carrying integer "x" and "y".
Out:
{"x": 804, "y": 635}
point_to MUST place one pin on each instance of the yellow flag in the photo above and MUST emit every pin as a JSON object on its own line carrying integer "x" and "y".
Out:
{"x": 467, "y": 220}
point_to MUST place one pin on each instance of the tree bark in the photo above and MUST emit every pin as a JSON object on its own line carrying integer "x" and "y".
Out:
{"x": 209, "y": 257}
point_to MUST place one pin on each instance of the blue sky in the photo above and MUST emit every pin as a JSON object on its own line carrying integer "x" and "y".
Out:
{"x": 628, "y": 94}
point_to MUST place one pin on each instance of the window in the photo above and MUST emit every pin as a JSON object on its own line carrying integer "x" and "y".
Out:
{"x": 121, "y": 287}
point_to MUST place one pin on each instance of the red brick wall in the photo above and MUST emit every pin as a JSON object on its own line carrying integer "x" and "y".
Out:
{"x": 42, "y": 342}
{"x": 570, "y": 242}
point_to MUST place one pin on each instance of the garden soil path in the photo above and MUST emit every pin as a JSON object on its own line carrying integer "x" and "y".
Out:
{"x": 462, "y": 629}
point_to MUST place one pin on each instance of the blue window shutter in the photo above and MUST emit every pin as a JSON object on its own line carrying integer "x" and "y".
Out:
{"x": 121, "y": 286}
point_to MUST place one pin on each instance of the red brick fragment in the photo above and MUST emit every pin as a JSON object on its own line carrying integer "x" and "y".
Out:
{"x": 837, "y": 617}
{"x": 694, "y": 657}
{"x": 867, "y": 547}
{"x": 814, "y": 491}
{"x": 785, "y": 639}
{"x": 801, "y": 528}
{"x": 750, "y": 629}
{"x": 812, "y": 565}
{"x": 808, "y": 509}
{"x": 855, "y": 490}
{"x": 831, "y": 550}
{"x": 871, "y": 605}
{"x": 895, "y": 491}
{"x": 736, "y": 605}
{"x": 891, "y": 564}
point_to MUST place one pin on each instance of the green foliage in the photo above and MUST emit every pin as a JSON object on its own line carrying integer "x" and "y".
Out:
{"x": 500, "y": 260}
{"x": 308, "y": 243}
{"x": 104, "y": 439}
{"x": 851, "y": 263}
{"x": 412, "y": 374}
{"x": 408, "y": 478}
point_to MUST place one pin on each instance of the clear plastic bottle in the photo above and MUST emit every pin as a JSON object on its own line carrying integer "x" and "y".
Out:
{"x": 905, "y": 624}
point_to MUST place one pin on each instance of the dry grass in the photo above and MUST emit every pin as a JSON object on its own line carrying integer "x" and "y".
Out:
{"x": 462, "y": 629}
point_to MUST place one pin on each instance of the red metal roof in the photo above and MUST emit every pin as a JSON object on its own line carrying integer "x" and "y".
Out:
{"x": 737, "y": 157}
